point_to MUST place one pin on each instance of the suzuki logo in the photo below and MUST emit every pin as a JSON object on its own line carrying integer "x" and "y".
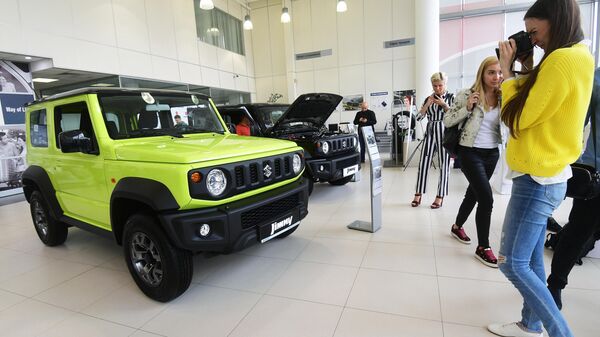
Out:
{"x": 344, "y": 143}
{"x": 267, "y": 171}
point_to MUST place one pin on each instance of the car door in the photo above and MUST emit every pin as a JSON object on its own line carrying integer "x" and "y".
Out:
{"x": 79, "y": 177}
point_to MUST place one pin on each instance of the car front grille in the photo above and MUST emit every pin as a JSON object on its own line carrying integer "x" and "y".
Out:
{"x": 342, "y": 144}
{"x": 247, "y": 175}
{"x": 268, "y": 212}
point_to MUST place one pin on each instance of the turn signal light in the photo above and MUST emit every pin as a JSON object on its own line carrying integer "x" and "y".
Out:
{"x": 196, "y": 177}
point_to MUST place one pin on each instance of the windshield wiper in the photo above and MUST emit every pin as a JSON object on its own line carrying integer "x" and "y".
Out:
{"x": 195, "y": 130}
{"x": 158, "y": 132}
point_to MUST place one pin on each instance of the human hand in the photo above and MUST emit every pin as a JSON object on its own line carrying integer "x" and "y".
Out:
{"x": 472, "y": 101}
{"x": 438, "y": 100}
{"x": 526, "y": 62}
{"x": 507, "y": 56}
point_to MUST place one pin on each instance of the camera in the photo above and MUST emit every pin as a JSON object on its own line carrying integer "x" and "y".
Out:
{"x": 523, "y": 44}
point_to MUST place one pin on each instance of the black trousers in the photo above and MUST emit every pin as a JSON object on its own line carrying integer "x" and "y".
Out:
{"x": 584, "y": 221}
{"x": 478, "y": 166}
{"x": 363, "y": 148}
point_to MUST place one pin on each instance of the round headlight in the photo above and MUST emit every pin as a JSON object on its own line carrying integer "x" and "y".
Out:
{"x": 325, "y": 147}
{"x": 216, "y": 182}
{"x": 297, "y": 163}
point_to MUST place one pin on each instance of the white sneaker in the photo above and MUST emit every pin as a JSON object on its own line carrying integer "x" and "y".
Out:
{"x": 511, "y": 330}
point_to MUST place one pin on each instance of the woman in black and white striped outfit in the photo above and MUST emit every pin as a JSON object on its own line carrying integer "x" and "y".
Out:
{"x": 434, "y": 108}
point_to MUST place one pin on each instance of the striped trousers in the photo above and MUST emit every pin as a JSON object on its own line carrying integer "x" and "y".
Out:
{"x": 433, "y": 140}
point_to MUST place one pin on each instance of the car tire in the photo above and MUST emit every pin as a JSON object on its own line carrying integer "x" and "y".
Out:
{"x": 341, "y": 182}
{"x": 50, "y": 231}
{"x": 161, "y": 270}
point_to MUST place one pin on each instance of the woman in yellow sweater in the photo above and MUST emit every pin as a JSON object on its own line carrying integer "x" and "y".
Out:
{"x": 544, "y": 111}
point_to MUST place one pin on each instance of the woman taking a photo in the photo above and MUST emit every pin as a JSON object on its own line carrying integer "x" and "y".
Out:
{"x": 544, "y": 111}
{"x": 479, "y": 108}
{"x": 434, "y": 107}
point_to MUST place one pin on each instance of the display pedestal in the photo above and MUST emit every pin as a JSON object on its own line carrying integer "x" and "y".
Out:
{"x": 376, "y": 185}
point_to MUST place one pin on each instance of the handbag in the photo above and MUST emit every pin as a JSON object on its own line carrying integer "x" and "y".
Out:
{"x": 451, "y": 138}
{"x": 585, "y": 182}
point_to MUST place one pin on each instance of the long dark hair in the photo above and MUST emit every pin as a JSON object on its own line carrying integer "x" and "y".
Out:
{"x": 565, "y": 30}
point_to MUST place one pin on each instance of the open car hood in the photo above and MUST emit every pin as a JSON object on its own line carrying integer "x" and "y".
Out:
{"x": 313, "y": 109}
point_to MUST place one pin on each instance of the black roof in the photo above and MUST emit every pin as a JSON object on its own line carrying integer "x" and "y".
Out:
{"x": 93, "y": 90}
{"x": 257, "y": 105}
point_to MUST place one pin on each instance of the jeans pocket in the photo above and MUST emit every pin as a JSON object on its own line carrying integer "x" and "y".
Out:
{"x": 555, "y": 193}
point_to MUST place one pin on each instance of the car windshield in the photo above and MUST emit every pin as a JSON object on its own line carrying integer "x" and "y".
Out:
{"x": 147, "y": 114}
{"x": 270, "y": 115}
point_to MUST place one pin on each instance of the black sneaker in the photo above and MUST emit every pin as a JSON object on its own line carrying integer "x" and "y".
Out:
{"x": 552, "y": 225}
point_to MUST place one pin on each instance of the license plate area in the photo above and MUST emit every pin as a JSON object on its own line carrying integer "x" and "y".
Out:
{"x": 282, "y": 224}
{"x": 348, "y": 171}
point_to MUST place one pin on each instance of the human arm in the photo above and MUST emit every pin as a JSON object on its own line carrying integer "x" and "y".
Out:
{"x": 458, "y": 111}
{"x": 371, "y": 119}
{"x": 558, "y": 74}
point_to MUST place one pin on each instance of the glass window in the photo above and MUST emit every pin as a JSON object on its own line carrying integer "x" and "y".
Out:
{"x": 74, "y": 116}
{"x": 466, "y": 41}
{"x": 219, "y": 29}
{"x": 148, "y": 115}
{"x": 38, "y": 129}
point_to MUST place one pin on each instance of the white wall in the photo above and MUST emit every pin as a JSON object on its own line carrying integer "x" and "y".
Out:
{"x": 154, "y": 39}
{"x": 358, "y": 65}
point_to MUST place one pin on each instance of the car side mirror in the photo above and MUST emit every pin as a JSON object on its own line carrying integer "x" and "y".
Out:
{"x": 75, "y": 141}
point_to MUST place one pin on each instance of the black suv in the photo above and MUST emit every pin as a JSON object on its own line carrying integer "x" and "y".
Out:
{"x": 330, "y": 156}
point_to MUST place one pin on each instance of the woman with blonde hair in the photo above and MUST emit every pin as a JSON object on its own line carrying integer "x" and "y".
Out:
{"x": 478, "y": 108}
{"x": 434, "y": 107}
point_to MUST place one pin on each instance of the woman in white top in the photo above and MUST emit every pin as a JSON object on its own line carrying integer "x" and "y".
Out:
{"x": 479, "y": 108}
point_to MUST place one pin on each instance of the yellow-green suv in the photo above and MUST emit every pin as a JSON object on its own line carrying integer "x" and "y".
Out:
{"x": 159, "y": 172}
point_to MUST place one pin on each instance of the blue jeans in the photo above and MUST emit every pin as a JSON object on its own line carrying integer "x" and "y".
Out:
{"x": 521, "y": 255}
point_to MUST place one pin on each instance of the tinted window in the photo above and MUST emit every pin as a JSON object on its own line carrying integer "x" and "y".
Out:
{"x": 38, "y": 129}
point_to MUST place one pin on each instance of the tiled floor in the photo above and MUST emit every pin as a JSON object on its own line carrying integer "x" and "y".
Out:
{"x": 409, "y": 279}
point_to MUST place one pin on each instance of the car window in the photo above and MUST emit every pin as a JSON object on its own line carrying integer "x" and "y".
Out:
{"x": 270, "y": 115}
{"x": 133, "y": 115}
{"x": 38, "y": 129}
{"x": 73, "y": 116}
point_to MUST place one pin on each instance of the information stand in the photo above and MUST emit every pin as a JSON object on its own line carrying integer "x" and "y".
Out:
{"x": 376, "y": 184}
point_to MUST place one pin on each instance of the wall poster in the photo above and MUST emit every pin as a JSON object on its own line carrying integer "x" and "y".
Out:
{"x": 15, "y": 92}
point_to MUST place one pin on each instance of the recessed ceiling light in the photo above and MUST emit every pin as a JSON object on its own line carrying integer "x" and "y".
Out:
{"x": 44, "y": 80}
{"x": 28, "y": 57}
{"x": 102, "y": 85}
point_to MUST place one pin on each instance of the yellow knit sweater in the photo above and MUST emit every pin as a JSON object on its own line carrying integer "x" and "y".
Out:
{"x": 551, "y": 124}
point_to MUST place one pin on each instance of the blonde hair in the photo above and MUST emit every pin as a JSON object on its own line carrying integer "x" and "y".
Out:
{"x": 479, "y": 85}
{"x": 439, "y": 76}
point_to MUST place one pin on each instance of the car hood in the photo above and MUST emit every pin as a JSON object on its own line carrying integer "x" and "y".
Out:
{"x": 196, "y": 149}
{"x": 313, "y": 108}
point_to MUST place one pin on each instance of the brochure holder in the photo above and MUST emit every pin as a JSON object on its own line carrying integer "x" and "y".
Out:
{"x": 375, "y": 163}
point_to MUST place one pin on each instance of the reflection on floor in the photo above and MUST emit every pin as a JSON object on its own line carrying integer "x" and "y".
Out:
{"x": 411, "y": 278}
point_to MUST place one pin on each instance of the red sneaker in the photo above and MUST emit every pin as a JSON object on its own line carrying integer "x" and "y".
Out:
{"x": 459, "y": 234}
{"x": 486, "y": 256}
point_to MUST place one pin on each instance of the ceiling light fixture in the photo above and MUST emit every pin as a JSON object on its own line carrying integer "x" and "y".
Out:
{"x": 28, "y": 57}
{"x": 341, "y": 6}
{"x": 248, "y": 23}
{"x": 44, "y": 80}
{"x": 102, "y": 85}
{"x": 285, "y": 15}
{"x": 207, "y": 5}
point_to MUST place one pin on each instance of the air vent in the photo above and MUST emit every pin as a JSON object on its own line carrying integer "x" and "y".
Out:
{"x": 313, "y": 54}
{"x": 398, "y": 43}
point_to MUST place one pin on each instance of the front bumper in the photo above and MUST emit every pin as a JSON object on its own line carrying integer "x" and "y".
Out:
{"x": 329, "y": 169}
{"x": 239, "y": 224}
